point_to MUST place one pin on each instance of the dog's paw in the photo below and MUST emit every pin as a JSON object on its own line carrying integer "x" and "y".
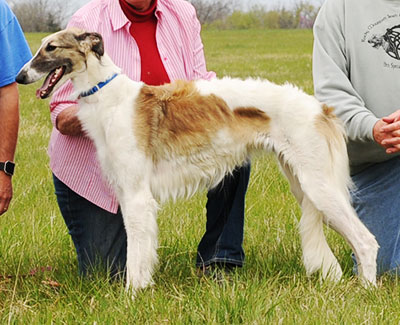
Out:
{"x": 368, "y": 283}
{"x": 332, "y": 273}
{"x": 139, "y": 279}
{"x": 368, "y": 278}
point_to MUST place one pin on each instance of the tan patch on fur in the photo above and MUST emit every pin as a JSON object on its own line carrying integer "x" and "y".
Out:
{"x": 328, "y": 125}
{"x": 67, "y": 50}
{"x": 175, "y": 119}
{"x": 328, "y": 111}
{"x": 252, "y": 118}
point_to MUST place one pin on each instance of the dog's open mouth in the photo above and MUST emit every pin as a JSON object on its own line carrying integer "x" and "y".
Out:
{"x": 49, "y": 83}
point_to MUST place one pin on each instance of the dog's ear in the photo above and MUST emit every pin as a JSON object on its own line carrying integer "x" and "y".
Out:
{"x": 92, "y": 42}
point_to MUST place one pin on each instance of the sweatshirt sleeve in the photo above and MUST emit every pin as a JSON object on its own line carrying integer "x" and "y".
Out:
{"x": 331, "y": 74}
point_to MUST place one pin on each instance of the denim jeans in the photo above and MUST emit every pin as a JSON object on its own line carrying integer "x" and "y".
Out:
{"x": 98, "y": 235}
{"x": 222, "y": 241}
{"x": 377, "y": 202}
{"x": 100, "y": 238}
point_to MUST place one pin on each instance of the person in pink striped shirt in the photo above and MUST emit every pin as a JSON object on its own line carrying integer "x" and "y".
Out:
{"x": 155, "y": 41}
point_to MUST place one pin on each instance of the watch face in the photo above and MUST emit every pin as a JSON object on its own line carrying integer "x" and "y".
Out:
{"x": 9, "y": 168}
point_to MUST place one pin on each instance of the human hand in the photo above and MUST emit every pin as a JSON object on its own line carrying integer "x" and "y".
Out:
{"x": 5, "y": 192}
{"x": 394, "y": 117}
{"x": 388, "y": 134}
{"x": 68, "y": 123}
{"x": 378, "y": 133}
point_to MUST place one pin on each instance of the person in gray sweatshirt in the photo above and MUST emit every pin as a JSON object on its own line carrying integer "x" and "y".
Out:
{"x": 356, "y": 69}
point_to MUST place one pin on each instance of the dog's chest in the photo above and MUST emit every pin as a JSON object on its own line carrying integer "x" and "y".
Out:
{"x": 110, "y": 128}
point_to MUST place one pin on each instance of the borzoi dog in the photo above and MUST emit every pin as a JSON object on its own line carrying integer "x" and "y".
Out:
{"x": 154, "y": 143}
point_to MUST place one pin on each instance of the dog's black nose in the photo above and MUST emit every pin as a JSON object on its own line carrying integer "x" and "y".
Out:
{"x": 22, "y": 78}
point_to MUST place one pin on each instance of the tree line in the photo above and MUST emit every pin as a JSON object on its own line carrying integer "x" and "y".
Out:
{"x": 41, "y": 15}
{"x": 224, "y": 14}
{"x": 52, "y": 15}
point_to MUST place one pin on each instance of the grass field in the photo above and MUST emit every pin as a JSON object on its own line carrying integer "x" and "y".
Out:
{"x": 272, "y": 286}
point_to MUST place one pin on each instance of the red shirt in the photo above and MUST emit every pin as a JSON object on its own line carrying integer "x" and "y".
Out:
{"x": 143, "y": 30}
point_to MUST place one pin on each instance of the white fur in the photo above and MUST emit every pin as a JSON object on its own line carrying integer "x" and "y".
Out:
{"x": 316, "y": 167}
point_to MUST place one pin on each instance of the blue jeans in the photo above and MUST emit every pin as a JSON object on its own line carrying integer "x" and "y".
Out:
{"x": 100, "y": 238}
{"x": 98, "y": 235}
{"x": 222, "y": 241}
{"x": 377, "y": 202}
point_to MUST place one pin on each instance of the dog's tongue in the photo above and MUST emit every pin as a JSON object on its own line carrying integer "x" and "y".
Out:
{"x": 50, "y": 82}
{"x": 43, "y": 90}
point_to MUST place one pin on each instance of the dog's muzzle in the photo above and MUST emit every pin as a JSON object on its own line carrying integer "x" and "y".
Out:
{"x": 22, "y": 78}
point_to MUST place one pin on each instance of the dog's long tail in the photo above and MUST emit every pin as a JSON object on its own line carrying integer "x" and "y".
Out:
{"x": 333, "y": 131}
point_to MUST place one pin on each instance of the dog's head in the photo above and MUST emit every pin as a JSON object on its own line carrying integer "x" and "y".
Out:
{"x": 61, "y": 56}
{"x": 376, "y": 41}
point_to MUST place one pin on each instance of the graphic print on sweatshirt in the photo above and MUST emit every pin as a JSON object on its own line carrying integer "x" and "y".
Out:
{"x": 390, "y": 41}
{"x": 384, "y": 35}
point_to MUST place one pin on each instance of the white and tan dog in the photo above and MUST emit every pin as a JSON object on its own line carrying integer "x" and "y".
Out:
{"x": 155, "y": 143}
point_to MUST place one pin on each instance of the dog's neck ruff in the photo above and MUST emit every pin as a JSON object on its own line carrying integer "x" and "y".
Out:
{"x": 97, "y": 87}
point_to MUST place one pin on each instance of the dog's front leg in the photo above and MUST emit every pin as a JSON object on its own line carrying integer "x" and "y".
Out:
{"x": 139, "y": 210}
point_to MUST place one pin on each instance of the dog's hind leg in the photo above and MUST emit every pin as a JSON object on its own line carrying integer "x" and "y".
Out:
{"x": 316, "y": 251}
{"x": 324, "y": 193}
{"x": 139, "y": 210}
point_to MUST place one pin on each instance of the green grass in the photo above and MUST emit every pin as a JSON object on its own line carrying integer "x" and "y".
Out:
{"x": 271, "y": 288}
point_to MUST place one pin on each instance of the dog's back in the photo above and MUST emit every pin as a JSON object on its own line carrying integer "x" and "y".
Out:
{"x": 199, "y": 131}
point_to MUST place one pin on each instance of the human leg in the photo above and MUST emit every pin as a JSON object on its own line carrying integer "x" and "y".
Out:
{"x": 222, "y": 241}
{"x": 376, "y": 200}
{"x": 98, "y": 235}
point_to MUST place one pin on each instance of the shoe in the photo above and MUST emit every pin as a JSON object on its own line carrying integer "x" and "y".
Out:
{"x": 216, "y": 271}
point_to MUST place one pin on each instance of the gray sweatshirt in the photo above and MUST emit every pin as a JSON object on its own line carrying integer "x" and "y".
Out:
{"x": 356, "y": 69}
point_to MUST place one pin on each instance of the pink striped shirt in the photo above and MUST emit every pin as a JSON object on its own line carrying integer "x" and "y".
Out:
{"x": 73, "y": 158}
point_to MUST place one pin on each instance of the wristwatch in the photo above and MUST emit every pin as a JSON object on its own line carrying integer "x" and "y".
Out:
{"x": 7, "y": 167}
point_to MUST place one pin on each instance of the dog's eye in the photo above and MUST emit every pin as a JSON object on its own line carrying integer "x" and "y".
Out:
{"x": 50, "y": 47}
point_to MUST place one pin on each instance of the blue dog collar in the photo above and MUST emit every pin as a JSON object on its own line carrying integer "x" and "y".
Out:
{"x": 96, "y": 88}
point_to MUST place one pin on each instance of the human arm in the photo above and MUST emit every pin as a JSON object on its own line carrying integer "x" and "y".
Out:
{"x": 63, "y": 112}
{"x": 331, "y": 72}
{"x": 15, "y": 53}
{"x": 9, "y": 121}
{"x": 199, "y": 61}
{"x": 67, "y": 121}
